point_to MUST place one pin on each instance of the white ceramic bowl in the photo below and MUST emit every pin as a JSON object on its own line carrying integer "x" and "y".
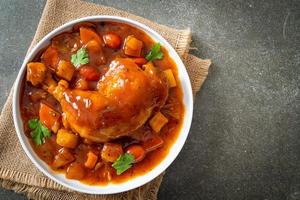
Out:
{"x": 135, "y": 182}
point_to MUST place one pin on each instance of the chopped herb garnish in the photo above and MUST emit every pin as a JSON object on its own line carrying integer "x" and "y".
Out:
{"x": 80, "y": 58}
{"x": 155, "y": 53}
{"x": 39, "y": 131}
{"x": 123, "y": 163}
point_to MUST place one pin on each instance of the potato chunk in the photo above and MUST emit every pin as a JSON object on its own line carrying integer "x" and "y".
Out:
{"x": 66, "y": 138}
{"x": 36, "y": 72}
{"x": 65, "y": 70}
{"x": 158, "y": 121}
{"x": 112, "y": 40}
{"x": 49, "y": 83}
{"x": 170, "y": 77}
{"x": 133, "y": 46}
{"x": 75, "y": 171}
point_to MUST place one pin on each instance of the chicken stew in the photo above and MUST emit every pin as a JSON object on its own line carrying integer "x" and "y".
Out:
{"x": 102, "y": 103}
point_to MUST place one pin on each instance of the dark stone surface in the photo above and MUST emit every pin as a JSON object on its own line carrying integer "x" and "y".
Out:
{"x": 244, "y": 141}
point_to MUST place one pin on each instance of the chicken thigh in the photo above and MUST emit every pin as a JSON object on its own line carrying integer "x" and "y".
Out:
{"x": 125, "y": 98}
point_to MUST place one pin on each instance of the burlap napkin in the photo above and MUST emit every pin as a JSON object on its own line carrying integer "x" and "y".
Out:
{"x": 16, "y": 171}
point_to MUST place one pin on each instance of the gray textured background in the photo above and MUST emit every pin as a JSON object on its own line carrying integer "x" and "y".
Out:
{"x": 245, "y": 137}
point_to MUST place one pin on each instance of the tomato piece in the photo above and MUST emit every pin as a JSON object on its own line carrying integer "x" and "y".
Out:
{"x": 111, "y": 152}
{"x": 137, "y": 151}
{"x": 49, "y": 117}
{"x": 153, "y": 142}
{"x": 140, "y": 61}
{"x": 112, "y": 40}
{"x": 89, "y": 73}
{"x": 93, "y": 46}
{"x": 88, "y": 34}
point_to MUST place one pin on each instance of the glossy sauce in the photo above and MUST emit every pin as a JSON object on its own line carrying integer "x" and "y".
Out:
{"x": 32, "y": 96}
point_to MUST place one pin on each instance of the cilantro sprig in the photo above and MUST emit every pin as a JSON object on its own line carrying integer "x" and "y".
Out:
{"x": 80, "y": 58}
{"x": 155, "y": 53}
{"x": 123, "y": 163}
{"x": 39, "y": 132}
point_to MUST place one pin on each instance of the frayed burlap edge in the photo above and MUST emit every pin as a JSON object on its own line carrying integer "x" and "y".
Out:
{"x": 39, "y": 193}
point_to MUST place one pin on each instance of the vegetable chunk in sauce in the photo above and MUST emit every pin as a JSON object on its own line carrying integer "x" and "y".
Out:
{"x": 102, "y": 103}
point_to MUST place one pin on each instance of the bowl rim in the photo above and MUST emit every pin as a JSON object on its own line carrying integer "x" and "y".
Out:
{"x": 138, "y": 180}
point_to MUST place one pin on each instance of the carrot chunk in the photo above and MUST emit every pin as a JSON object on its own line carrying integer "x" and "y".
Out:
{"x": 88, "y": 34}
{"x": 140, "y": 61}
{"x": 49, "y": 117}
{"x": 91, "y": 160}
{"x": 50, "y": 57}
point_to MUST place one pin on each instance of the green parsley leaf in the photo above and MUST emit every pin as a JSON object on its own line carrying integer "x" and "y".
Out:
{"x": 37, "y": 136}
{"x": 123, "y": 163}
{"x": 39, "y": 131}
{"x": 80, "y": 58}
{"x": 32, "y": 124}
{"x": 46, "y": 131}
{"x": 155, "y": 53}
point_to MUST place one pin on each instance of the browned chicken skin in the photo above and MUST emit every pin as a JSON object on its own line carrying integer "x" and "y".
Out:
{"x": 124, "y": 101}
